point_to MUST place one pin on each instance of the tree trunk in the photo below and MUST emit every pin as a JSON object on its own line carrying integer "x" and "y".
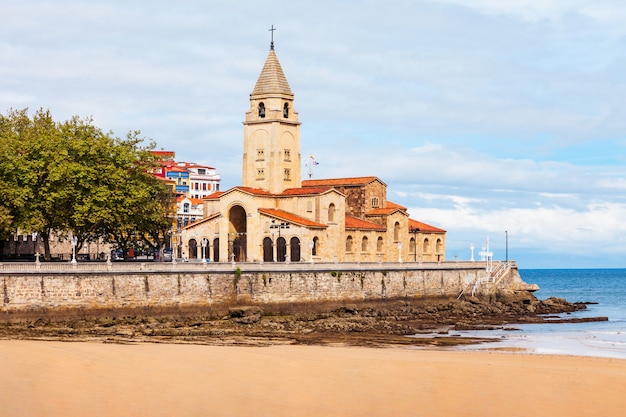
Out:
{"x": 45, "y": 237}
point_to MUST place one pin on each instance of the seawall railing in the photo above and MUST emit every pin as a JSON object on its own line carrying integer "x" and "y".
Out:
{"x": 182, "y": 267}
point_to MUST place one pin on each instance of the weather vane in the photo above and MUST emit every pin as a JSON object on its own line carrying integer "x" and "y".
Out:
{"x": 272, "y": 31}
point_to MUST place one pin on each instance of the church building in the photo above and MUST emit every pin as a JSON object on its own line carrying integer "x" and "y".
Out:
{"x": 275, "y": 216}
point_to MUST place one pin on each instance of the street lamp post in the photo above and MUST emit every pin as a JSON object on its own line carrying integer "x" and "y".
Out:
{"x": 205, "y": 242}
{"x": 312, "y": 246}
{"x": 279, "y": 226}
{"x": 472, "y": 249}
{"x": 506, "y": 239}
{"x": 74, "y": 241}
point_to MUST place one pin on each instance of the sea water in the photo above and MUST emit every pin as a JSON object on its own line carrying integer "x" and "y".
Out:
{"x": 606, "y": 287}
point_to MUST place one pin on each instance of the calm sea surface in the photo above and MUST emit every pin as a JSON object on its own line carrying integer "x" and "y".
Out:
{"x": 607, "y": 287}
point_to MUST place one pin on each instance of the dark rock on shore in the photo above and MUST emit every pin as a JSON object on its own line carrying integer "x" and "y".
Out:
{"x": 376, "y": 323}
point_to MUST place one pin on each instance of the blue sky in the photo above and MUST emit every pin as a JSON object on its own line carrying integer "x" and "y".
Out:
{"x": 482, "y": 116}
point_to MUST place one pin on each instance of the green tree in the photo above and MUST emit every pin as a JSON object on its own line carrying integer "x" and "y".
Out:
{"x": 70, "y": 178}
{"x": 138, "y": 208}
{"x": 42, "y": 173}
{"x": 11, "y": 199}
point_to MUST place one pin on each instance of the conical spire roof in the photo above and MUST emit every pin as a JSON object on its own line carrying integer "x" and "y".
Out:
{"x": 272, "y": 79}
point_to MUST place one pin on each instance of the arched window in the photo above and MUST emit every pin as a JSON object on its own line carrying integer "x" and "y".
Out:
{"x": 286, "y": 110}
{"x": 193, "y": 249}
{"x": 186, "y": 208}
{"x": 268, "y": 250}
{"x": 426, "y": 245}
{"x": 216, "y": 249}
{"x": 364, "y": 244}
{"x": 412, "y": 246}
{"x": 294, "y": 249}
{"x": 261, "y": 110}
{"x": 396, "y": 231}
{"x": 379, "y": 244}
{"x": 281, "y": 249}
{"x": 438, "y": 245}
{"x": 349, "y": 244}
{"x": 316, "y": 244}
{"x": 331, "y": 213}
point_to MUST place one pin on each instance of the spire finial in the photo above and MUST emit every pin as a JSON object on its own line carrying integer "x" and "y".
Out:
{"x": 272, "y": 31}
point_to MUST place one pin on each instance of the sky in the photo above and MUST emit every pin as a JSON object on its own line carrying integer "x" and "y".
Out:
{"x": 496, "y": 121}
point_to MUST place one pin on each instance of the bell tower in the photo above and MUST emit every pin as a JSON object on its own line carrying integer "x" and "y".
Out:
{"x": 271, "y": 132}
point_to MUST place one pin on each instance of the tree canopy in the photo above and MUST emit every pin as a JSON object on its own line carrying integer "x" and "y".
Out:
{"x": 71, "y": 178}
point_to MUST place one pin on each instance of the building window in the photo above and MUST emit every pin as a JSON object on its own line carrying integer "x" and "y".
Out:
{"x": 396, "y": 232}
{"x": 261, "y": 110}
{"x": 186, "y": 208}
{"x": 286, "y": 110}
{"x": 412, "y": 246}
{"x": 309, "y": 206}
{"x": 204, "y": 186}
{"x": 375, "y": 202}
{"x": 260, "y": 154}
{"x": 426, "y": 245}
{"x": 287, "y": 155}
{"x": 438, "y": 245}
{"x": 331, "y": 213}
{"x": 364, "y": 244}
{"x": 379, "y": 244}
{"x": 201, "y": 171}
{"x": 349, "y": 244}
{"x": 316, "y": 243}
{"x": 260, "y": 173}
{"x": 287, "y": 174}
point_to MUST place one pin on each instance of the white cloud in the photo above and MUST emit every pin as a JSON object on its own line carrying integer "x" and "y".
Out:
{"x": 607, "y": 11}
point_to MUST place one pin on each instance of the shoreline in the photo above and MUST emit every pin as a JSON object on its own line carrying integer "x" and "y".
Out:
{"x": 162, "y": 379}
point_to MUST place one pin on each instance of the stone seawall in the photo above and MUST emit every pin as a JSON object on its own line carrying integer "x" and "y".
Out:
{"x": 223, "y": 286}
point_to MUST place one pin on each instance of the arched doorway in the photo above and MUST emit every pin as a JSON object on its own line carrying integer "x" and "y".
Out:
{"x": 216, "y": 250}
{"x": 268, "y": 250}
{"x": 237, "y": 234}
{"x": 281, "y": 249}
{"x": 294, "y": 249}
{"x": 193, "y": 249}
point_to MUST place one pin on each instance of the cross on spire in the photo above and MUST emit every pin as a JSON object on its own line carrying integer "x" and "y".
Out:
{"x": 272, "y": 31}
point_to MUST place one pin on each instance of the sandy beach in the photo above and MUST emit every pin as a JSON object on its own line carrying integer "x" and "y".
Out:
{"x": 50, "y": 378}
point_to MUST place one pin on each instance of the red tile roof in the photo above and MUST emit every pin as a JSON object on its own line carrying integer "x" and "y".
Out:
{"x": 382, "y": 211}
{"x": 356, "y": 223}
{"x": 213, "y": 196}
{"x": 304, "y": 191}
{"x": 389, "y": 208}
{"x": 291, "y": 218}
{"x": 333, "y": 182}
{"x": 194, "y": 201}
{"x": 394, "y": 205}
{"x": 423, "y": 227}
{"x": 250, "y": 190}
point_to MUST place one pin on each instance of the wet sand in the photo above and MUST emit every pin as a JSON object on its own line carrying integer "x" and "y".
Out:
{"x": 50, "y": 378}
